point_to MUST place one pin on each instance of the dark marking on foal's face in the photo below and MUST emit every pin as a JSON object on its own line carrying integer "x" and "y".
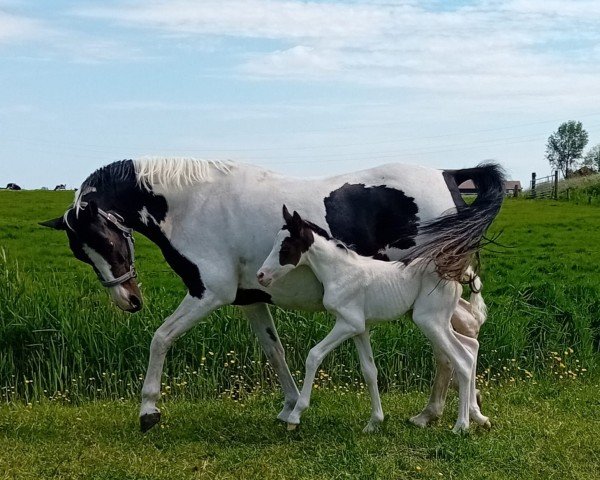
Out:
{"x": 299, "y": 240}
{"x": 371, "y": 219}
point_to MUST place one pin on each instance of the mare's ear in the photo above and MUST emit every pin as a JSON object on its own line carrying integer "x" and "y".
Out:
{"x": 89, "y": 213}
{"x": 55, "y": 223}
{"x": 286, "y": 215}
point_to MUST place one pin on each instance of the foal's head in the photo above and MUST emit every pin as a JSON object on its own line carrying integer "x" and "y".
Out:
{"x": 291, "y": 244}
{"x": 100, "y": 239}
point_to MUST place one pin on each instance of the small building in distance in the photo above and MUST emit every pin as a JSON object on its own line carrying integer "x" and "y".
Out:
{"x": 468, "y": 187}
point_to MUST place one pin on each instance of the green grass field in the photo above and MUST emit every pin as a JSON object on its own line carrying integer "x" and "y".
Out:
{"x": 546, "y": 431}
{"x": 71, "y": 367}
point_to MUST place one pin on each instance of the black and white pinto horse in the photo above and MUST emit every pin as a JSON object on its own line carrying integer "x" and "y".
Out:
{"x": 215, "y": 223}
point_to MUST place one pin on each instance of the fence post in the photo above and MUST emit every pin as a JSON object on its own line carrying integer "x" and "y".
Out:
{"x": 555, "y": 185}
{"x": 533, "y": 184}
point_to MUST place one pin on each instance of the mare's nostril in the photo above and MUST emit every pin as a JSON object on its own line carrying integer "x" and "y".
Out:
{"x": 135, "y": 302}
{"x": 260, "y": 275}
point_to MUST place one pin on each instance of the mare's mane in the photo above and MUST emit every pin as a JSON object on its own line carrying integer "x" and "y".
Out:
{"x": 146, "y": 172}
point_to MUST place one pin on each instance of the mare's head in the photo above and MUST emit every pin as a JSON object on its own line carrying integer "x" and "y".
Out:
{"x": 291, "y": 244}
{"x": 101, "y": 239}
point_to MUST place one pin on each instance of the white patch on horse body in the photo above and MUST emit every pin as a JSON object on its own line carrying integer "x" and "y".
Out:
{"x": 144, "y": 215}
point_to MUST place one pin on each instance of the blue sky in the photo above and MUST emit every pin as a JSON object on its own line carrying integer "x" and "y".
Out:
{"x": 303, "y": 88}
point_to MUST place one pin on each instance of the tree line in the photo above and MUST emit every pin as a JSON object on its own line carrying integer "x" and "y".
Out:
{"x": 565, "y": 147}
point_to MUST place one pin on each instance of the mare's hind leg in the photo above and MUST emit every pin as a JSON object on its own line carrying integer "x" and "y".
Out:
{"x": 369, "y": 370}
{"x": 262, "y": 325}
{"x": 437, "y": 399}
{"x": 190, "y": 311}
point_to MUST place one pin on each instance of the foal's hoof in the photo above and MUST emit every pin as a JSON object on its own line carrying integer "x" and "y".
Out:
{"x": 148, "y": 420}
{"x": 461, "y": 428}
{"x": 292, "y": 426}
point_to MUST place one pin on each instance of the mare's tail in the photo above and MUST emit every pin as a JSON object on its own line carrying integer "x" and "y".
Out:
{"x": 451, "y": 240}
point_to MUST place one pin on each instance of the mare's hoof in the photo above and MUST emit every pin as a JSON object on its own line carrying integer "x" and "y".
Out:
{"x": 148, "y": 420}
{"x": 292, "y": 426}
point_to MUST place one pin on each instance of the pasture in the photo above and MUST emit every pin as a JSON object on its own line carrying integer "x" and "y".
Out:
{"x": 71, "y": 368}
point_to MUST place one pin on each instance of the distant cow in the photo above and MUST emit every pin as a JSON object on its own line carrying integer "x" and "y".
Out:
{"x": 61, "y": 186}
{"x": 13, "y": 186}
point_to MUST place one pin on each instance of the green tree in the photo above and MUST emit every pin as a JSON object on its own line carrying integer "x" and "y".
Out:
{"x": 566, "y": 145}
{"x": 592, "y": 157}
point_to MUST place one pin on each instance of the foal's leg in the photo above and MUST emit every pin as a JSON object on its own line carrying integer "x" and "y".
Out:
{"x": 432, "y": 312}
{"x": 474, "y": 409}
{"x": 369, "y": 370}
{"x": 262, "y": 325}
{"x": 190, "y": 311}
{"x": 341, "y": 331}
{"x": 463, "y": 321}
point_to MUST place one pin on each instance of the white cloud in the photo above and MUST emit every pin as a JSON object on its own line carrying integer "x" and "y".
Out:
{"x": 249, "y": 18}
{"x": 500, "y": 47}
{"x": 14, "y": 28}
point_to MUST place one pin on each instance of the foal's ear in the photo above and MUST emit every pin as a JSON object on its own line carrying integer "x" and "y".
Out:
{"x": 55, "y": 223}
{"x": 286, "y": 215}
{"x": 295, "y": 224}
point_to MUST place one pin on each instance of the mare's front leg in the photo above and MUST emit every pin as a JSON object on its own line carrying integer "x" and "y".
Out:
{"x": 189, "y": 312}
{"x": 369, "y": 370}
{"x": 263, "y": 326}
{"x": 342, "y": 330}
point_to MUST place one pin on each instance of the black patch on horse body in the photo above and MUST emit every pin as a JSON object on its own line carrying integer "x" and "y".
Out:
{"x": 369, "y": 219}
{"x": 249, "y": 296}
{"x": 114, "y": 188}
{"x": 271, "y": 334}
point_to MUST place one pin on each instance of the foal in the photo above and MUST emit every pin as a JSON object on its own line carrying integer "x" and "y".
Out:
{"x": 361, "y": 291}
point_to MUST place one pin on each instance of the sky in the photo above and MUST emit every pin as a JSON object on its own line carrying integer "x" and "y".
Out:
{"x": 305, "y": 88}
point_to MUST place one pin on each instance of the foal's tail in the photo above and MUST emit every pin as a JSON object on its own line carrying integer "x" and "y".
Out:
{"x": 451, "y": 240}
